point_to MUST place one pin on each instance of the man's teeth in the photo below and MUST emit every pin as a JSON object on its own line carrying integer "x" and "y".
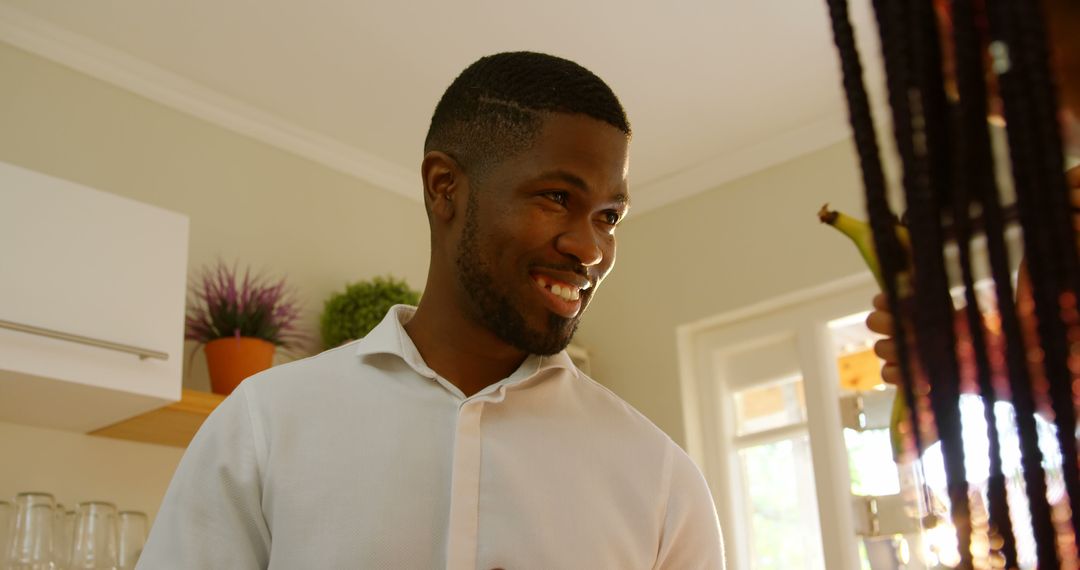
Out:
{"x": 567, "y": 293}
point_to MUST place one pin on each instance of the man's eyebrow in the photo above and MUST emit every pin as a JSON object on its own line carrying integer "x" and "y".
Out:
{"x": 576, "y": 181}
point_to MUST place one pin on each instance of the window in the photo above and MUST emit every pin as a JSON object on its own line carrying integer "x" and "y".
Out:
{"x": 777, "y": 471}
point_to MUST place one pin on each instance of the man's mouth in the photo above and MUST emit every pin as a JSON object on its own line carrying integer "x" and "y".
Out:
{"x": 567, "y": 291}
{"x": 563, "y": 296}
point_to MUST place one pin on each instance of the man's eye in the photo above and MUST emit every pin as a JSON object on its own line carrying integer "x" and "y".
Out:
{"x": 612, "y": 217}
{"x": 560, "y": 198}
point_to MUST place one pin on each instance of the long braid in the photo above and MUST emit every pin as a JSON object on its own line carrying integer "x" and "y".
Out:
{"x": 973, "y": 168}
{"x": 975, "y": 182}
{"x": 895, "y": 55}
{"x": 912, "y": 140}
{"x": 1054, "y": 280}
{"x": 922, "y": 122}
{"x": 1023, "y": 153}
{"x": 936, "y": 338}
{"x": 915, "y": 108}
{"x": 882, "y": 219}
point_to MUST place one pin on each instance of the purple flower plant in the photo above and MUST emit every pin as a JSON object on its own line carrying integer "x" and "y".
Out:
{"x": 221, "y": 306}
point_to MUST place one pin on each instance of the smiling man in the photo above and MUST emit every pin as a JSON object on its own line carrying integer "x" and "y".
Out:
{"x": 458, "y": 434}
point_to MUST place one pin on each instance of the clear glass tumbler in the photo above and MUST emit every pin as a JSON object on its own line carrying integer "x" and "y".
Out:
{"x": 133, "y": 526}
{"x": 7, "y": 532}
{"x": 32, "y": 546}
{"x": 94, "y": 545}
{"x": 63, "y": 534}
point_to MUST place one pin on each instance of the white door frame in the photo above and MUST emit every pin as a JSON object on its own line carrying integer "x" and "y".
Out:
{"x": 802, "y": 318}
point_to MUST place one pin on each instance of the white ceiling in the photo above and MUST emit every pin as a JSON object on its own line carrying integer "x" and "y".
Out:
{"x": 714, "y": 89}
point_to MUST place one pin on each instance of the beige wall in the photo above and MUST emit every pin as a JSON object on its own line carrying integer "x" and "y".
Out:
{"x": 747, "y": 241}
{"x": 76, "y": 467}
{"x": 246, "y": 201}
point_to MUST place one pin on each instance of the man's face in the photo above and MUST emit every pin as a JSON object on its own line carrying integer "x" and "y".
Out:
{"x": 539, "y": 233}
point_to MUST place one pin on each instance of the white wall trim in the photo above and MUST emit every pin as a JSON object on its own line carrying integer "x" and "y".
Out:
{"x": 708, "y": 413}
{"x": 47, "y": 40}
{"x": 780, "y": 302}
{"x": 742, "y": 162}
{"x": 687, "y": 334}
{"x": 82, "y": 54}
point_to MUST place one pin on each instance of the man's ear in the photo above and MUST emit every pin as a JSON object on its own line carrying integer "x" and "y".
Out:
{"x": 444, "y": 184}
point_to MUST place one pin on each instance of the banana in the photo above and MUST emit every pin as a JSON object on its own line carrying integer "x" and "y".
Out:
{"x": 859, "y": 232}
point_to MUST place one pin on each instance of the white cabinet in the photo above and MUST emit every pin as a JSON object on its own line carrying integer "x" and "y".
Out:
{"x": 88, "y": 264}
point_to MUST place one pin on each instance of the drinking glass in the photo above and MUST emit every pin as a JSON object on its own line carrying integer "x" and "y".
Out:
{"x": 63, "y": 533}
{"x": 7, "y": 523}
{"x": 95, "y": 537}
{"x": 32, "y": 546}
{"x": 132, "y": 531}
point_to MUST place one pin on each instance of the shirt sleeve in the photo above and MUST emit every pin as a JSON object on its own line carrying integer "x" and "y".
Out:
{"x": 691, "y": 538}
{"x": 211, "y": 516}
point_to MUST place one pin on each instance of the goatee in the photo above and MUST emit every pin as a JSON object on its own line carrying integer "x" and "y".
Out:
{"x": 492, "y": 308}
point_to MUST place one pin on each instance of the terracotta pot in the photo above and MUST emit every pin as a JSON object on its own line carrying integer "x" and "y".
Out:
{"x": 230, "y": 360}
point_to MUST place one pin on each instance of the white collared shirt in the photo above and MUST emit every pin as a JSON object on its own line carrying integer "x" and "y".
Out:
{"x": 364, "y": 457}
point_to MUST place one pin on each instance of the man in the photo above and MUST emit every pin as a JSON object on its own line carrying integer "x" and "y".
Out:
{"x": 459, "y": 434}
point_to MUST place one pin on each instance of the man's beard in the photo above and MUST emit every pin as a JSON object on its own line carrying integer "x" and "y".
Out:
{"x": 490, "y": 307}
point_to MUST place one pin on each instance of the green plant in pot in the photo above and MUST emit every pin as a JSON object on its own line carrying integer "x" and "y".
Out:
{"x": 352, "y": 313}
{"x": 240, "y": 321}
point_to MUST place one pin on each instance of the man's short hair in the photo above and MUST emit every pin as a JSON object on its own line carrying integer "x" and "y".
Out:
{"x": 495, "y": 108}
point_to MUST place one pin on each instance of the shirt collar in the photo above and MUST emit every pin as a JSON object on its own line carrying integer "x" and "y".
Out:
{"x": 389, "y": 337}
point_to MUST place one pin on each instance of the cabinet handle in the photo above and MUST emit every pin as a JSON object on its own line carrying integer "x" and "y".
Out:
{"x": 142, "y": 353}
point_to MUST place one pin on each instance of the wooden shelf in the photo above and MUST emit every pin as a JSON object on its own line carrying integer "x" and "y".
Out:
{"x": 173, "y": 425}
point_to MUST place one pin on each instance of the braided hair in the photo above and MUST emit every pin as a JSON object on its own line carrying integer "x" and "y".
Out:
{"x": 1029, "y": 96}
{"x": 951, "y": 193}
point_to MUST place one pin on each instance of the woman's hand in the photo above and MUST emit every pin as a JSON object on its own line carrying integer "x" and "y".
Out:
{"x": 881, "y": 322}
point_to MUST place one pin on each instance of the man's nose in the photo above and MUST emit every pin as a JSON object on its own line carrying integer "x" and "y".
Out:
{"x": 581, "y": 242}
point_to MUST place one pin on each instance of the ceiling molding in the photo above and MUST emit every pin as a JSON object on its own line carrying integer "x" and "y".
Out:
{"x": 87, "y": 56}
{"x": 737, "y": 164}
{"x": 49, "y": 41}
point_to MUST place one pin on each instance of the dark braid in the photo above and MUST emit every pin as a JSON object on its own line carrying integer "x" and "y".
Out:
{"x": 494, "y": 108}
{"x": 936, "y": 338}
{"x": 947, "y": 158}
{"x": 890, "y": 253}
{"x": 975, "y": 183}
{"x": 1016, "y": 91}
{"x": 1055, "y": 278}
{"x": 893, "y": 261}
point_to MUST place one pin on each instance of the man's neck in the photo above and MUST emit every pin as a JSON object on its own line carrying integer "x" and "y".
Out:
{"x": 461, "y": 350}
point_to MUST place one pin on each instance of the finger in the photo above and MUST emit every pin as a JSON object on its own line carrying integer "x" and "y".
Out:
{"x": 886, "y": 350}
{"x": 881, "y": 302}
{"x": 880, "y": 322}
{"x": 1073, "y": 174}
{"x": 890, "y": 373}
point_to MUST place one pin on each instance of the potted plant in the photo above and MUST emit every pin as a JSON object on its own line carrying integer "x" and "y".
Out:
{"x": 240, "y": 322}
{"x": 352, "y": 313}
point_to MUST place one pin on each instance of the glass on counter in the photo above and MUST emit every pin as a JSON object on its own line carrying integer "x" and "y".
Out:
{"x": 32, "y": 544}
{"x": 94, "y": 546}
{"x": 7, "y": 529}
{"x": 133, "y": 527}
{"x": 37, "y": 533}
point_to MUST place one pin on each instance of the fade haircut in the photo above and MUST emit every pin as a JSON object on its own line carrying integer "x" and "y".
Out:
{"x": 496, "y": 107}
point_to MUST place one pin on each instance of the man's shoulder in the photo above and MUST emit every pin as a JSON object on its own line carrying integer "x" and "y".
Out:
{"x": 619, "y": 415}
{"x": 289, "y": 378}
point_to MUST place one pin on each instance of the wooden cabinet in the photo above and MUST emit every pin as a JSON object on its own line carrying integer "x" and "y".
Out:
{"x": 81, "y": 266}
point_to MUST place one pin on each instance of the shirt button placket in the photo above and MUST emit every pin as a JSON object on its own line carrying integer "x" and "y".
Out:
{"x": 465, "y": 488}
